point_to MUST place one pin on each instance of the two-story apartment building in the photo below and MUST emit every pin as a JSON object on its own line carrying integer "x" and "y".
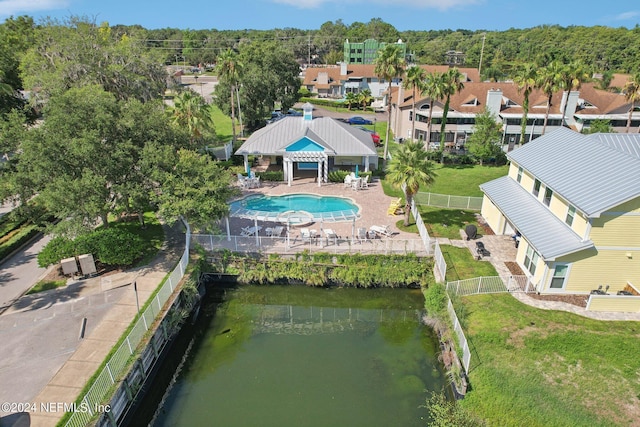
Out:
{"x": 575, "y": 201}
{"x": 505, "y": 101}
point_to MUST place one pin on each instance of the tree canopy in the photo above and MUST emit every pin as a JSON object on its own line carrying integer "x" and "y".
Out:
{"x": 484, "y": 142}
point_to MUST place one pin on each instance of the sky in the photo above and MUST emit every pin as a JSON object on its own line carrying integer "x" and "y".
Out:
{"x": 490, "y": 15}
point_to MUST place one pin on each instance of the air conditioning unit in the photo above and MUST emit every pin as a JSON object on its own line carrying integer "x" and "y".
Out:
{"x": 69, "y": 266}
{"x": 87, "y": 264}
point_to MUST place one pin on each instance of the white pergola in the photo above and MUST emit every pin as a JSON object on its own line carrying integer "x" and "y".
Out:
{"x": 320, "y": 157}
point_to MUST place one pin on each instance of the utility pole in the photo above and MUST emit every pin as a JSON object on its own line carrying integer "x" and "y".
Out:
{"x": 484, "y": 36}
{"x": 309, "y": 52}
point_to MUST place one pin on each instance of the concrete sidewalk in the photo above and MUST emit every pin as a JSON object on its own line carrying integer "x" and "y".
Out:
{"x": 83, "y": 299}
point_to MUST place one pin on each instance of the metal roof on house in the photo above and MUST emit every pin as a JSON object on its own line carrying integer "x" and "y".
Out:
{"x": 623, "y": 142}
{"x": 585, "y": 170}
{"x": 548, "y": 235}
{"x": 336, "y": 137}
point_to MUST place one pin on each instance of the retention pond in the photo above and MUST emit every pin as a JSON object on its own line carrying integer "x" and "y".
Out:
{"x": 298, "y": 356}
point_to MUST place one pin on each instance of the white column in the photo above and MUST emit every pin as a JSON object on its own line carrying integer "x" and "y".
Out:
{"x": 366, "y": 163}
{"x": 226, "y": 220}
{"x": 246, "y": 161}
{"x": 290, "y": 175}
{"x": 319, "y": 173}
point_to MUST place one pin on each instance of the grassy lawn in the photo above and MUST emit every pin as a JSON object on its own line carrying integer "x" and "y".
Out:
{"x": 464, "y": 180}
{"x": 222, "y": 123}
{"x": 462, "y": 265}
{"x": 46, "y": 285}
{"x": 547, "y": 368}
{"x": 442, "y": 222}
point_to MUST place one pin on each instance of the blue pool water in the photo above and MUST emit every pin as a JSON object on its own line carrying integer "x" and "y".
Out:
{"x": 327, "y": 208}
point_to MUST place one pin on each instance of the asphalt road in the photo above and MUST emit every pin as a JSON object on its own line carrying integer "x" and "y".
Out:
{"x": 20, "y": 272}
{"x": 40, "y": 333}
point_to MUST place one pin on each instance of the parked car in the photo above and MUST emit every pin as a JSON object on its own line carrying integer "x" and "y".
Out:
{"x": 275, "y": 116}
{"x": 292, "y": 112}
{"x": 357, "y": 120}
{"x": 374, "y": 135}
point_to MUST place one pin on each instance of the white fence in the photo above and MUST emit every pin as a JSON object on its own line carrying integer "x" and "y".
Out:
{"x": 284, "y": 245}
{"x": 117, "y": 364}
{"x": 462, "y": 340}
{"x": 439, "y": 263}
{"x": 222, "y": 153}
{"x": 449, "y": 201}
{"x": 490, "y": 285}
{"x": 422, "y": 229}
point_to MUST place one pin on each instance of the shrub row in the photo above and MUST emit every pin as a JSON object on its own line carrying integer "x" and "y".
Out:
{"x": 110, "y": 246}
{"x": 322, "y": 269}
{"x": 340, "y": 175}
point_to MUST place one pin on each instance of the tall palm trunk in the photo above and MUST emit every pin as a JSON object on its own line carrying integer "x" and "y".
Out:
{"x": 233, "y": 117}
{"x": 386, "y": 140}
{"x": 429, "y": 121}
{"x": 546, "y": 115}
{"x": 525, "y": 114}
{"x": 630, "y": 116}
{"x": 413, "y": 121}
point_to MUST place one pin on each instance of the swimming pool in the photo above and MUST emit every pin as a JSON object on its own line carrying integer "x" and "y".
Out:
{"x": 296, "y": 208}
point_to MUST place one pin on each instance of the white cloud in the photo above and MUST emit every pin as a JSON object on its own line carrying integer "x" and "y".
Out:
{"x": 419, "y": 4}
{"x": 19, "y": 7}
{"x": 627, "y": 15}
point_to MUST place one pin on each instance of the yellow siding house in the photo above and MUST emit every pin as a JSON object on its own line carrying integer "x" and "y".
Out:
{"x": 575, "y": 201}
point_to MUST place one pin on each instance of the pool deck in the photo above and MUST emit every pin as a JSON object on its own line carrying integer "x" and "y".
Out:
{"x": 372, "y": 201}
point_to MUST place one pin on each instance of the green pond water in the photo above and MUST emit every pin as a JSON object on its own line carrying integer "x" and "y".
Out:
{"x": 298, "y": 356}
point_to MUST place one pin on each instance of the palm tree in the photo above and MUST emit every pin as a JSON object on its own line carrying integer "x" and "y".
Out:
{"x": 573, "y": 75}
{"x": 452, "y": 84}
{"x": 434, "y": 90}
{"x": 389, "y": 64}
{"x": 632, "y": 94}
{"x": 525, "y": 80}
{"x": 364, "y": 98}
{"x": 549, "y": 81}
{"x": 229, "y": 68}
{"x": 350, "y": 98}
{"x": 410, "y": 169}
{"x": 415, "y": 81}
{"x": 190, "y": 111}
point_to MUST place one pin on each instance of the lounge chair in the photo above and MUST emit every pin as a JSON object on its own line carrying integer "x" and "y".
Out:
{"x": 381, "y": 230}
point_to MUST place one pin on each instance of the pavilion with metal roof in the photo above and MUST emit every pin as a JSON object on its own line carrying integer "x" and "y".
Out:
{"x": 305, "y": 143}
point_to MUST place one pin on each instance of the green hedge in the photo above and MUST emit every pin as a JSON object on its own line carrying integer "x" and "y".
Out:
{"x": 277, "y": 176}
{"x": 25, "y": 233}
{"x": 110, "y": 246}
{"x": 324, "y": 102}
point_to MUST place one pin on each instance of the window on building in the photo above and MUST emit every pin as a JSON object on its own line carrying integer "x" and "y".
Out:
{"x": 519, "y": 177}
{"x": 571, "y": 213}
{"x": 531, "y": 260}
{"x": 536, "y": 187}
{"x": 559, "y": 276}
{"x": 410, "y": 116}
{"x": 548, "y": 193}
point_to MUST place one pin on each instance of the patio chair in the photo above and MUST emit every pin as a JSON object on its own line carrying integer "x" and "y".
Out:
{"x": 305, "y": 235}
{"x": 362, "y": 234}
{"x": 347, "y": 181}
{"x": 365, "y": 182}
{"x": 394, "y": 206}
{"x": 277, "y": 231}
{"x": 381, "y": 230}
